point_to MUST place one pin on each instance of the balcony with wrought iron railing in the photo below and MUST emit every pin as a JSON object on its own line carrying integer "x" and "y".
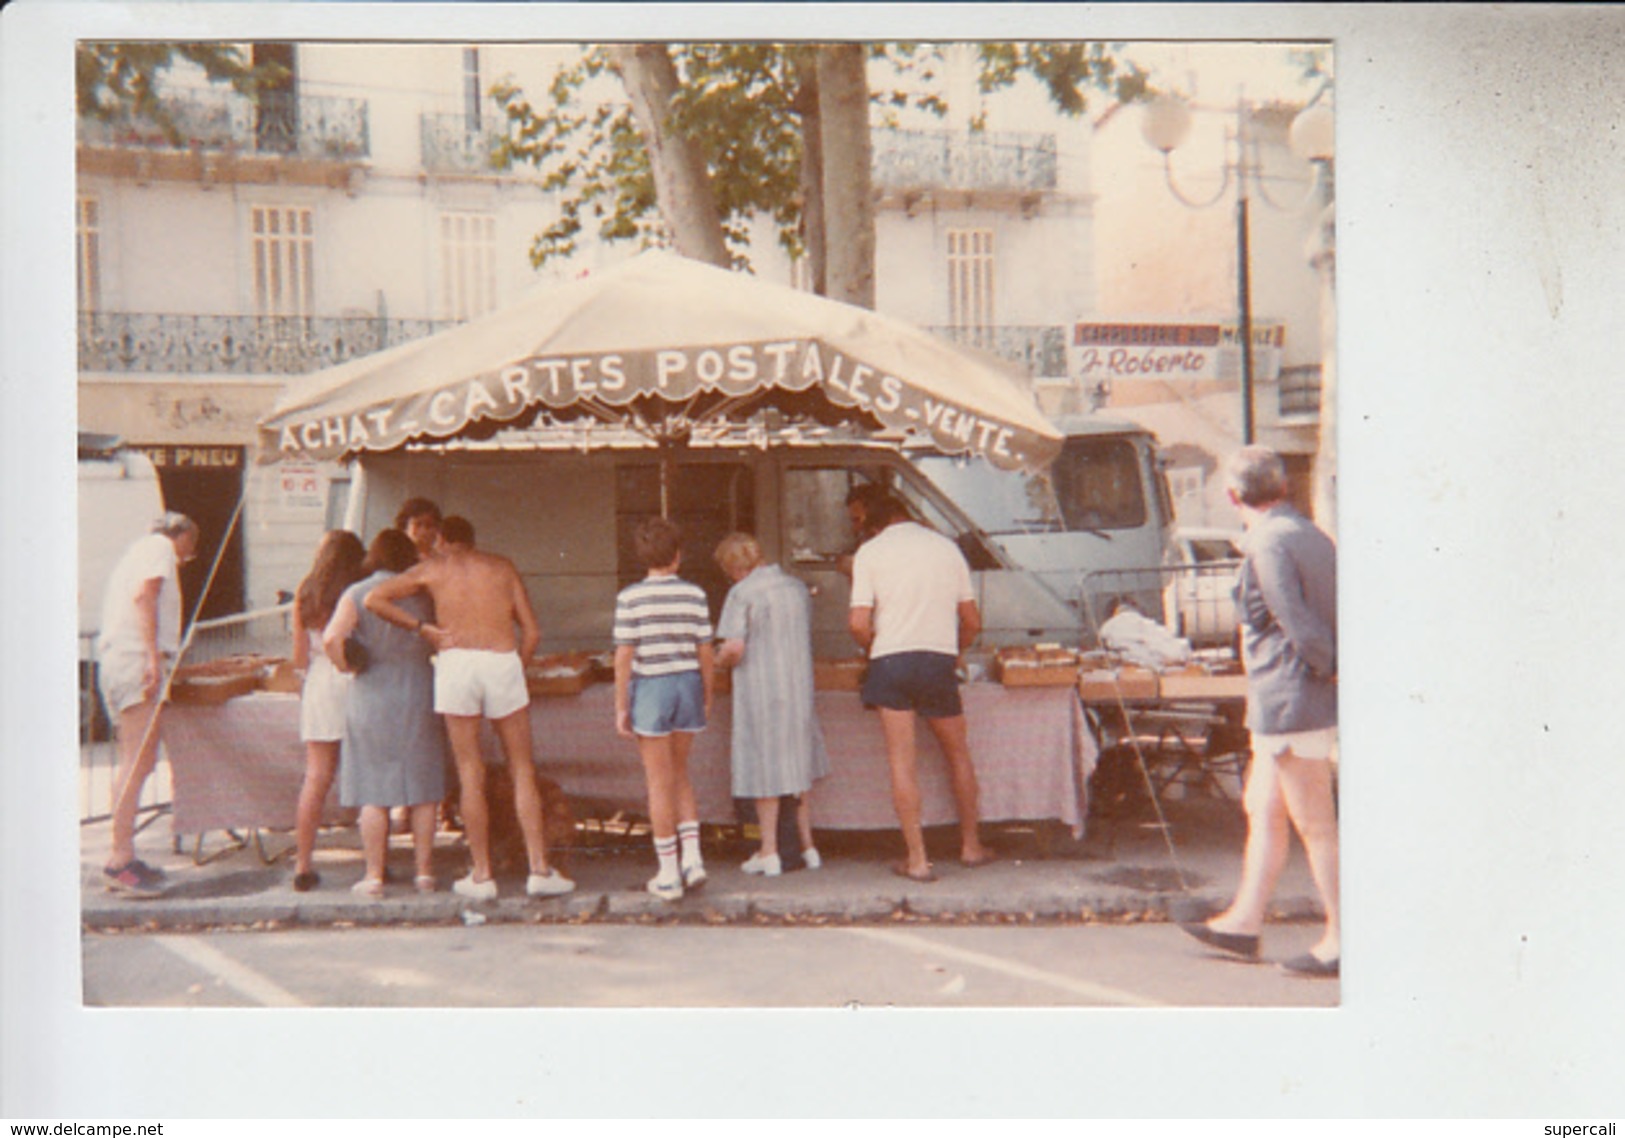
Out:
{"x": 456, "y": 144}
{"x": 959, "y": 160}
{"x": 176, "y": 344}
{"x": 270, "y": 123}
{"x": 1040, "y": 349}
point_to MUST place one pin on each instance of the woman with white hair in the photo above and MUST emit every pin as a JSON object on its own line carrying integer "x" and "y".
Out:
{"x": 777, "y": 745}
{"x": 1286, "y": 593}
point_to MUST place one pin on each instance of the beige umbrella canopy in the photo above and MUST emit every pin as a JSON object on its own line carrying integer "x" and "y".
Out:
{"x": 660, "y": 343}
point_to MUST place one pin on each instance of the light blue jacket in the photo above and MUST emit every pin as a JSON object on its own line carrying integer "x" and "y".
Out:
{"x": 1286, "y": 596}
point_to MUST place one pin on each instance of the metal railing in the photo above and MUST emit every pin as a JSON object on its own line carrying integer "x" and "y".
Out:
{"x": 262, "y": 632}
{"x": 1041, "y": 349}
{"x": 959, "y": 160}
{"x": 271, "y": 122}
{"x": 452, "y": 143}
{"x": 172, "y": 343}
{"x": 1192, "y": 601}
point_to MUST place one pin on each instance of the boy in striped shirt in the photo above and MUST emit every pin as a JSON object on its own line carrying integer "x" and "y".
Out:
{"x": 663, "y": 687}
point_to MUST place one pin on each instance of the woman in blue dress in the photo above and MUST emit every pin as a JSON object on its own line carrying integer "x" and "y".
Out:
{"x": 777, "y": 745}
{"x": 394, "y": 743}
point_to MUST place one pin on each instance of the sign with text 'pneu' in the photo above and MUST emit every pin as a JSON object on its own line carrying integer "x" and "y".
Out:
{"x": 1209, "y": 351}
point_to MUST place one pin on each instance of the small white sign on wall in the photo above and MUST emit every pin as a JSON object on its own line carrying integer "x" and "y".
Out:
{"x": 301, "y": 487}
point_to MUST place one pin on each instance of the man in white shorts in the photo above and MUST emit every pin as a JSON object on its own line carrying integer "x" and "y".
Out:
{"x": 140, "y": 634}
{"x": 479, "y": 604}
{"x": 1286, "y": 598}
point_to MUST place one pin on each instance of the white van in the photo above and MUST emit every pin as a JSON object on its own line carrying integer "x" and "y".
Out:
{"x": 119, "y": 498}
{"x": 565, "y": 517}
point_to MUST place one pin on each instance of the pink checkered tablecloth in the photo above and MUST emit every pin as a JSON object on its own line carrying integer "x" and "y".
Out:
{"x": 1032, "y": 750}
{"x": 237, "y": 765}
{"x": 240, "y": 764}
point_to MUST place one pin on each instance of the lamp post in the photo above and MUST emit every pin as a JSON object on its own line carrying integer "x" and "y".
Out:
{"x": 1165, "y": 126}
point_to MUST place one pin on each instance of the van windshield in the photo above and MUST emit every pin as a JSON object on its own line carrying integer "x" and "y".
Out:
{"x": 1093, "y": 485}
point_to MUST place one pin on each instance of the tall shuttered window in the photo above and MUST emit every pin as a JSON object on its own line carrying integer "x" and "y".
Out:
{"x": 284, "y": 243}
{"x": 970, "y": 284}
{"x": 468, "y": 245}
{"x": 88, "y": 233}
{"x": 471, "y": 89}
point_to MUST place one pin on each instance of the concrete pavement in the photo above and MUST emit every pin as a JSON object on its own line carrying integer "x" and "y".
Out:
{"x": 1122, "y": 871}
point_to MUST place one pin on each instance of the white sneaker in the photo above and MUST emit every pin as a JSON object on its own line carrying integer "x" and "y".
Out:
{"x": 666, "y": 888}
{"x": 549, "y": 884}
{"x": 810, "y": 859}
{"x": 475, "y": 890}
{"x": 769, "y": 866}
{"x": 694, "y": 876}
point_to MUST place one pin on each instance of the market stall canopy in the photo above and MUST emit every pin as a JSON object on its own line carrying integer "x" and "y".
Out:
{"x": 661, "y": 343}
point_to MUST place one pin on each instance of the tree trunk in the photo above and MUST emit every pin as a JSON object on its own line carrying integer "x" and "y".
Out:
{"x": 682, "y": 183}
{"x": 812, "y": 180}
{"x": 849, "y": 209}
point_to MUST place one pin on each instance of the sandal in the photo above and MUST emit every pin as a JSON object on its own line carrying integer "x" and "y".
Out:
{"x": 901, "y": 870}
{"x": 368, "y": 887}
{"x": 425, "y": 883}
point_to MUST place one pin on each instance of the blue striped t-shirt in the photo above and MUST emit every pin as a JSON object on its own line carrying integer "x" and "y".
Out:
{"x": 665, "y": 619}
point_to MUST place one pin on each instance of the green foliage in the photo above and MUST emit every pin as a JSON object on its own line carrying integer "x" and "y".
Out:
{"x": 117, "y": 80}
{"x": 742, "y": 104}
{"x": 1064, "y": 69}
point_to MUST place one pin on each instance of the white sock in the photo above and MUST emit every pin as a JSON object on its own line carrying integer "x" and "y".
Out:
{"x": 666, "y": 851}
{"x": 688, "y": 833}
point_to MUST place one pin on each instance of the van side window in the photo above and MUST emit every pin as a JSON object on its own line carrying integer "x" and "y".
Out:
{"x": 816, "y": 529}
{"x": 1098, "y": 483}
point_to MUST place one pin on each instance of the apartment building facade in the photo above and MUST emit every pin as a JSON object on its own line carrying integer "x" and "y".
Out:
{"x": 356, "y": 207}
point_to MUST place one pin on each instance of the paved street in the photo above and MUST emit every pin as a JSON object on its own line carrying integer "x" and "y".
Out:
{"x": 619, "y": 965}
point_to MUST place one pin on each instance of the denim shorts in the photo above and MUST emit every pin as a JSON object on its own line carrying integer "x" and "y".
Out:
{"x": 663, "y": 704}
{"x": 925, "y": 682}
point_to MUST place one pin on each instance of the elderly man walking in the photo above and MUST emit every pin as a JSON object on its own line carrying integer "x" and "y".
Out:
{"x": 140, "y": 635}
{"x": 1287, "y": 601}
{"x": 914, "y": 610}
{"x": 479, "y": 603}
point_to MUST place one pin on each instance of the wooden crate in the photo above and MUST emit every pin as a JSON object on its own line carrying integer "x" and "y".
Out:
{"x": 1201, "y": 685}
{"x": 210, "y": 690}
{"x": 838, "y": 675}
{"x": 1034, "y": 668}
{"x": 281, "y": 677}
{"x": 216, "y": 681}
{"x": 563, "y": 675}
{"x": 1019, "y": 675}
{"x": 1107, "y": 684}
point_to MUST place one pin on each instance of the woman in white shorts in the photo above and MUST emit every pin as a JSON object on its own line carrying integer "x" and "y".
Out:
{"x": 321, "y": 706}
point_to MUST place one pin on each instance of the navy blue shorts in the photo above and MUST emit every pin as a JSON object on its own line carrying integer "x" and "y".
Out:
{"x": 924, "y": 682}
{"x": 663, "y": 704}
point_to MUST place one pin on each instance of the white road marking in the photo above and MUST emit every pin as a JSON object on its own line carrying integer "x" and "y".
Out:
{"x": 1101, "y": 992}
{"x": 243, "y": 979}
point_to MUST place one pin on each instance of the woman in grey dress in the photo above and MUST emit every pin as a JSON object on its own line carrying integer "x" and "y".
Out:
{"x": 394, "y": 744}
{"x": 777, "y": 745}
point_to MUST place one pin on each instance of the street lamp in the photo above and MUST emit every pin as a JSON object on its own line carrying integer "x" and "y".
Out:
{"x": 1166, "y": 125}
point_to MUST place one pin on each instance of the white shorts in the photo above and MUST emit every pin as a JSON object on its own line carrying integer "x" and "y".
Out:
{"x": 121, "y": 675}
{"x": 1318, "y": 744}
{"x": 474, "y": 681}
{"x": 321, "y": 705}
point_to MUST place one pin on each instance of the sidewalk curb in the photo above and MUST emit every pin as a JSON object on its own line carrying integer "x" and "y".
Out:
{"x": 629, "y": 907}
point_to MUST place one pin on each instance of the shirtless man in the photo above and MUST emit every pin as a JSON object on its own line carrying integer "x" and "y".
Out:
{"x": 479, "y": 602}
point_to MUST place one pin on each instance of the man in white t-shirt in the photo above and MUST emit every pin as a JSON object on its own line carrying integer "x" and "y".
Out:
{"x": 914, "y": 610}
{"x": 140, "y": 634}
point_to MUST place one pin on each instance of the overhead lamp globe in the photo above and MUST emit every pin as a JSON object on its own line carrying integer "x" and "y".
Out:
{"x": 1313, "y": 134}
{"x": 1165, "y": 122}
